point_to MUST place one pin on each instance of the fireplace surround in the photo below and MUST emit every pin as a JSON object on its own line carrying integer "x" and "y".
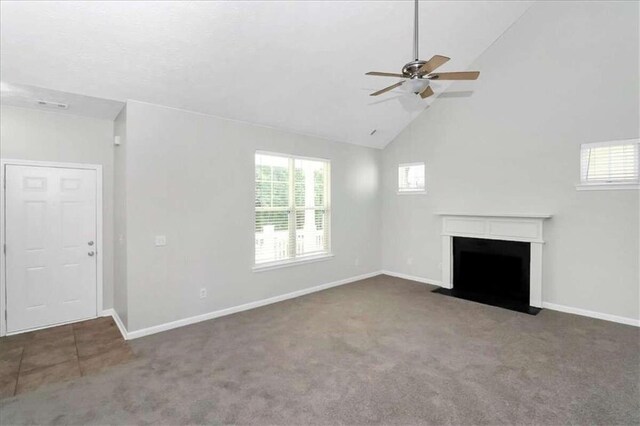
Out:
{"x": 503, "y": 229}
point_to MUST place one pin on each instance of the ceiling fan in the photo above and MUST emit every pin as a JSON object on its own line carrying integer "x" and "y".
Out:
{"x": 419, "y": 73}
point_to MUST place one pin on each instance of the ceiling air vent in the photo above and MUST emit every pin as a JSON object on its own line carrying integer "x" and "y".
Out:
{"x": 54, "y": 105}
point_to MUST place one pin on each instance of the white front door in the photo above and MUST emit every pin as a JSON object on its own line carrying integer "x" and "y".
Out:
{"x": 51, "y": 246}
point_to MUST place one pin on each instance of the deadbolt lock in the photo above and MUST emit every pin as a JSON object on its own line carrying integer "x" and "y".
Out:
{"x": 90, "y": 243}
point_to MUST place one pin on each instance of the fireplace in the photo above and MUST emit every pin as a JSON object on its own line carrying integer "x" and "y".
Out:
{"x": 493, "y": 259}
{"x": 493, "y": 272}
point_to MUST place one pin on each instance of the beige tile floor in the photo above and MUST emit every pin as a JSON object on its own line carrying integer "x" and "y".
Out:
{"x": 30, "y": 360}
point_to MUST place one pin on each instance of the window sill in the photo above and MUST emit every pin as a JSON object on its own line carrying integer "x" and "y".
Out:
{"x": 292, "y": 262}
{"x": 606, "y": 186}
{"x": 411, "y": 192}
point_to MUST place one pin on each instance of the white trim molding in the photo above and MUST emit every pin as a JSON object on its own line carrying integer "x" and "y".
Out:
{"x": 591, "y": 314}
{"x": 412, "y": 278}
{"x": 607, "y": 186}
{"x": 508, "y": 227}
{"x": 99, "y": 229}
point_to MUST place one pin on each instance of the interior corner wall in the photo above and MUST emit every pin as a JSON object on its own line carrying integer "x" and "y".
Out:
{"x": 36, "y": 135}
{"x": 120, "y": 288}
{"x": 565, "y": 74}
{"x": 190, "y": 177}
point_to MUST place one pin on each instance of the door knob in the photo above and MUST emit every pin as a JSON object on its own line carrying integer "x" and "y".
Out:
{"x": 91, "y": 253}
{"x": 90, "y": 243}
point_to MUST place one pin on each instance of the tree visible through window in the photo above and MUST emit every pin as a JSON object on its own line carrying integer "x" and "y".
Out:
{"x": 292, "y": 207}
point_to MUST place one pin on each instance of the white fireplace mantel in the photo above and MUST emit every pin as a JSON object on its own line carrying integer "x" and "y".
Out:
{"x": 509, "y": 227}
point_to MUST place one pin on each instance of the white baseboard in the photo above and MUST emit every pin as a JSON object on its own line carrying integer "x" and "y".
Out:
{"x": 128, "y": 335}
{"x": 592, "y": 314}
{"x": 116, "y": 318}
{"x": 546, "y": 305}
{"x": 228, "y": 311}
{"x": 412, "y": 278}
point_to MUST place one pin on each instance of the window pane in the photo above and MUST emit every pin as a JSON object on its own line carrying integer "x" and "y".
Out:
{"x": 272, "y": 181}
{"x": 320, "y": 176}
{"x": 310, "y": 183}
{"x": 280, "y": 194}
{"x": 411, "y": 177}
{"x": 263, "y": 194}
{"x": 311, "y": 236}
{"x": 281, "y": 173}
{"x": 609, "y": 162}
{"x": 299, "y": 187}
{"x": 271, "y": 236}
{"x": 283, "y": 199}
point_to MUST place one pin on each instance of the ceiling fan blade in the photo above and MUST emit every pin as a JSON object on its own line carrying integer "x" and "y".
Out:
{"x": 433, "y": 63}
{"x": 426, "y": 92}
{"x": 386, "y": 89}
{"x": 464, "y": 75}
{"x": 386, "y": 74}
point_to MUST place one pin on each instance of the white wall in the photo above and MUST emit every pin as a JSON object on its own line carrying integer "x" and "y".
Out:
{"x": 30, "y": 134}
{"x": 565, "y": 74}
{"x": 191, "y": 177}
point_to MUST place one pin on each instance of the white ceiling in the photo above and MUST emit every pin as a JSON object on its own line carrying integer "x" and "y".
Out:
{"x": 28, "y": 96}
{"x": 293, "y": 65}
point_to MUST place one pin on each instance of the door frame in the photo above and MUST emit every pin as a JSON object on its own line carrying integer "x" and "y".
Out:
{"x": 3, "y": 257}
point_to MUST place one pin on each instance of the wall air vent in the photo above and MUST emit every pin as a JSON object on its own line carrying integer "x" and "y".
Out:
{"x": 53, "y": 105}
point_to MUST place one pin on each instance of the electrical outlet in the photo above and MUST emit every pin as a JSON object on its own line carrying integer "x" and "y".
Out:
{"x": 357, "y": 261}
{"x": 409, "y": 260}
{"x": 203, "y": 293}
{"x": 161, "y": 240}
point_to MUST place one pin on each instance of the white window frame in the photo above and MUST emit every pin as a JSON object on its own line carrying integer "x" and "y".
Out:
{"x": 302, "y": 259}
{"x": 604, "y": 185}
{"x": 400, "y": 191}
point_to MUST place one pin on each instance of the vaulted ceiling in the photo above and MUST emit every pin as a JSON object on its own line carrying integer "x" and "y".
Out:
{"x": 293, "y": 65}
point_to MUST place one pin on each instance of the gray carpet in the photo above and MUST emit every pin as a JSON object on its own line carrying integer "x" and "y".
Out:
{"x": 382, "y": 350}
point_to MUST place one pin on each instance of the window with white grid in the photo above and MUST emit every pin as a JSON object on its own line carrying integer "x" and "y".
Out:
{"x": 292, "y": 214}
{"x": 609, "y": 163}
{"x": 411, "y": 178}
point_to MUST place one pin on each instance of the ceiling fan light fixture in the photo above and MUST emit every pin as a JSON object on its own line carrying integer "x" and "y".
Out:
{"x": 415, "y": 85}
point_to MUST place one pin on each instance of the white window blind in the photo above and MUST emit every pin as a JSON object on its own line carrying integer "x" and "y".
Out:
{"x": 609, "y": 162}
{"x": 291, "y": 208}
{"x": 411, "y": 177}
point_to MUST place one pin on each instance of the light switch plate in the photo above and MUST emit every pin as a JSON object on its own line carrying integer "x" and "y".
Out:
{"x": 161, "y": 240}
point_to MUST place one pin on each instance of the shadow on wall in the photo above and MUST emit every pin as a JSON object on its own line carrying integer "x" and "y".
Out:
{"x": 456, "y": 95}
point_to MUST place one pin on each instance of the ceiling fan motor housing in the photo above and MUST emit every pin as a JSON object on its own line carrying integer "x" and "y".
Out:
{"x": 411, "y": 68}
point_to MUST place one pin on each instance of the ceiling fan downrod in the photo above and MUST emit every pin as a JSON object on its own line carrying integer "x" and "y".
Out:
{"x": 415, "y": 32}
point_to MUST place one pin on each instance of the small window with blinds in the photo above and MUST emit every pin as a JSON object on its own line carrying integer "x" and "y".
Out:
{"x": 292, "y": 214}
{"x": 411, "y": 178}
{"x": 610, "y": 164}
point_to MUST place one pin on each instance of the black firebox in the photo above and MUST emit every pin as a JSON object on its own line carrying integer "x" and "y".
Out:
{"x": 493, "y": 272}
